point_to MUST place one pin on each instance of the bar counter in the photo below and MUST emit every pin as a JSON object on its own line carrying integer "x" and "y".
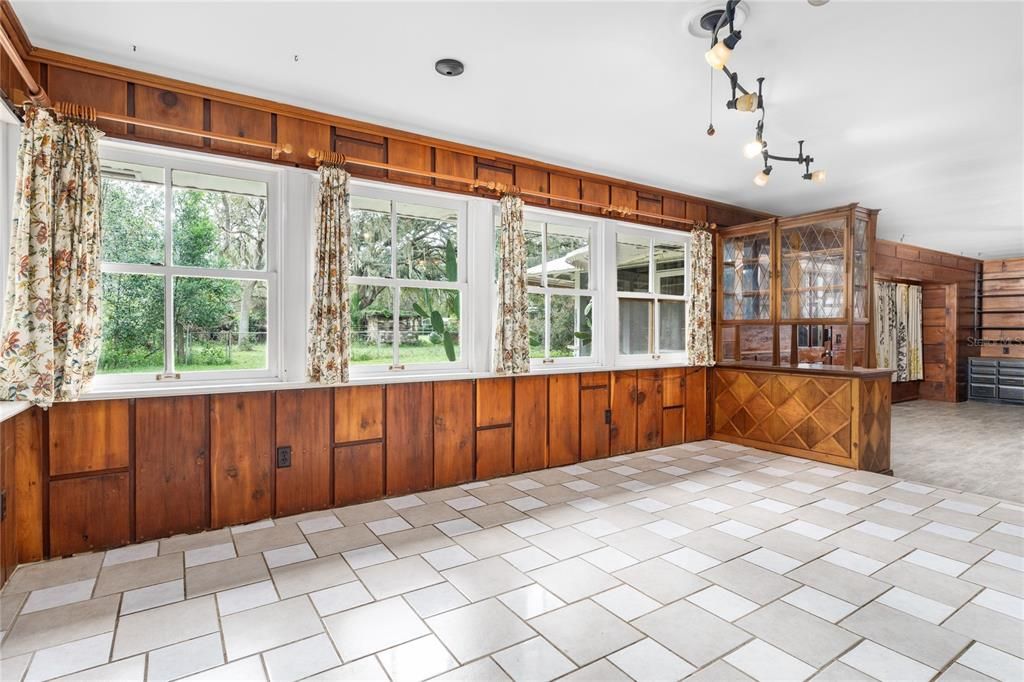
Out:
{"x": 827, "y": 413}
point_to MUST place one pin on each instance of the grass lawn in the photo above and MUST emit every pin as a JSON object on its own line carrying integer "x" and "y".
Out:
{"x": 253, "y": 358}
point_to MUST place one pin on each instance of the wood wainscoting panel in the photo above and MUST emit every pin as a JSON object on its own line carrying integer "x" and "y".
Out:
{"x": 453, "y": 432}
{"x": 594, "y": 422}
{"x": 493, "y": 452}
{"x": 696, "y": 404}
{"x": 358, "y": 473}
{"x": 171, "y": 466}
{"x": 241, "y": 458}
{"x": 563, "y": 419}
{"x": 8, "y": 534}
{"x": 89, "y": 512}
{"x": 358, "y": 414}
{"x": 649, "y": 409}
{"x": 167, "y": 106}
{"x": 88, "y": 436}
{"x": 302, "y": 419}
{"x": 409, "y": 450}
{"x": 622, "y": 431}
{"x": 531, "y": 423}
{"x": 29, "y": 484}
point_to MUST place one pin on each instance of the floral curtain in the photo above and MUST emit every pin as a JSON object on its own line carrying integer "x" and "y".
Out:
{"x": 700, "y": 335}
{"x": 328, "y": 346}
{"x": 512, "y": 332}
{"x": 898, "y": 329}
{"x": 51, "y": 327}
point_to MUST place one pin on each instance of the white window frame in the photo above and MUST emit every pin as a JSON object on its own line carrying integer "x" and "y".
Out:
{"x": 546, "y": 216}
{"x": 373, "y": 190}
{"x": 170, "y": 161}
{"x": 653, "y": 234}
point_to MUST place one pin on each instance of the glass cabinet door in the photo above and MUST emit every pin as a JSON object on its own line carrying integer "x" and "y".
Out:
{"x": 860, "y": 267}
{"x": 813, "y": 259}
{"x": 746, "y": 276}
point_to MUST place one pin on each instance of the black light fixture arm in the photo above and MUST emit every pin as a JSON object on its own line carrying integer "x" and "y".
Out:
{"x": 727, "y": 18}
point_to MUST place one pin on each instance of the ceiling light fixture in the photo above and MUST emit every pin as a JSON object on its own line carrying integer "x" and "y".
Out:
{"x": 746, "y": 100}
{"x": 449, "y": 67}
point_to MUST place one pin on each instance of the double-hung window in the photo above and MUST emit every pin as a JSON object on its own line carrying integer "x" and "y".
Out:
{"x": 560, "y": 287}
{"x": 188, "y": 270}
{"x": 652, "y": 291}
{"x": 408, "y": 281}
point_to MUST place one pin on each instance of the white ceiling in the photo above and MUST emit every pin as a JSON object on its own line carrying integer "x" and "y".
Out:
{"x": 914, "y": 108}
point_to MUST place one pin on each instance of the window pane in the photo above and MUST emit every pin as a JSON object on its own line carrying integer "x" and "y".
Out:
{"x": 372, "y": 316}
{"x": 219, "y": 324}
{"x": 428, "y": 326}
{"x": 219, "y": 222}
{"x": 672, "y": 326}
{"x": 536, "y": 319}
{"x": 428, "y": 243}
{"x": 568, "y": 257}
{"x": 670, "y": 269}
{"x": 133, "y": 213}
{"x": 635, "y": 326}
{"x": 370, "y": 237}
{"x": 571, "y": 326}
{"x": 632, "y": 257}
{"x": 534, "y": 233}
{"x": 133, "y": 324}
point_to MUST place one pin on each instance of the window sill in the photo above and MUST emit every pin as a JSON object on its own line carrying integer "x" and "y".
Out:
{"x": 206, "y": 388}
{"x": 12, "y": 408}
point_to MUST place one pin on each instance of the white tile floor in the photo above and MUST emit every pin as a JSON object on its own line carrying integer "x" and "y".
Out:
{"x": 704, "y": 560}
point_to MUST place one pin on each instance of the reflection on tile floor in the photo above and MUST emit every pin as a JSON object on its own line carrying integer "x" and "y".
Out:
{"x": 706, "y": 561}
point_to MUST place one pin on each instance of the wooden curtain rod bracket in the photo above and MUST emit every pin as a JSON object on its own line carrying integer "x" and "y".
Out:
{"x": 322, "y": 157}
{"x": 276, "y": 152}
{"x": 621, "y": 211}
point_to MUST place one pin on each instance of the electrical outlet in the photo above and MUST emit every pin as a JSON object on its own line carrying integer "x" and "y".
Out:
{"x": 284, "y": 457}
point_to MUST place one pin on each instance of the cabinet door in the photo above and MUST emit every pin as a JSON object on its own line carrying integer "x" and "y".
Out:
{"x": 623, "y": 427}
{"x": 564, "y": 419}
{"x": 673, "y": 382}
{"x": 493, "y": 452}
{"x": 90, "y": 512}
{"x": 88, "y": 436}
{"x": 649, "y": 407}
{"x": 358, "y": 413}
{"x": 531, "y": 423}
{"x": 453, "y": 432}
{"x": 593, "y": 425}
{"x": 302, "y": 420}
{"x": 171, "y": 475}
{"x": 409, "y": 451}
{"x": 673, "y": 425}
{"x": 358, "y": 473}
{"x": 241, "y": 457}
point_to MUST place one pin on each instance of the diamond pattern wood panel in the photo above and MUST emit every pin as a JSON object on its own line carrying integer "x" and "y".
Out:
{"x": 802, "y": 412}
{"x": 875, "y": 423}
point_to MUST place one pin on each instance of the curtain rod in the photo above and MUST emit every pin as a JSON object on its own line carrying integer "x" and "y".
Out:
{"x": 334, "y": 158}
{"x": 35, "y": 91}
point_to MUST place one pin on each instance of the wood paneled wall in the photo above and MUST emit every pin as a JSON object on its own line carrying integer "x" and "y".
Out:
{"x": 163, "y": 100}
{"x": 1002, "y": 308}
{"x": 153, "y": 467}
{"x": 948, "y": 291}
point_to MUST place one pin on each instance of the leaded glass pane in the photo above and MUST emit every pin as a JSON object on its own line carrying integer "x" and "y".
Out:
{"x": 746, "y": 277}
{"x": 813, "y": 269}
{"x": 860, "y": 268}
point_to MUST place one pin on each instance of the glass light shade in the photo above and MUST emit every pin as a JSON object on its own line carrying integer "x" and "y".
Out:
{"x": 718, "y": 56}
{"x": 761, "y": 179}
{"x": 747, "y": 102}
{"x": 752, "y": 149}
{"x": 818, "y": 176}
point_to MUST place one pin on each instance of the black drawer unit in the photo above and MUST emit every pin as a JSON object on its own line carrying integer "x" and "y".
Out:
{"x": 997, "y": 381}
